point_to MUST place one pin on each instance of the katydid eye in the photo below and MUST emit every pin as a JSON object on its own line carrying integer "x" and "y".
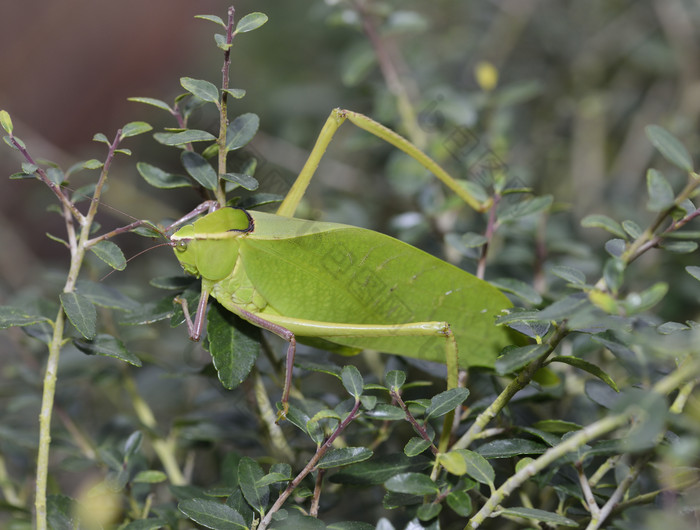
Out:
{"x": 181, "y": 245}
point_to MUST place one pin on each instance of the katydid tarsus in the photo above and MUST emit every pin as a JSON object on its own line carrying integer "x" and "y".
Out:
{"x": 349, "y": 286}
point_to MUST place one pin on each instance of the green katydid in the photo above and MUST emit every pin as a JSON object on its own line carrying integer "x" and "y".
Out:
{"x": 346, "y": 285}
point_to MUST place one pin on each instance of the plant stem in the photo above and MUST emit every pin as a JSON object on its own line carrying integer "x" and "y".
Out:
{"x": 164, "y": 448}
{"x": 416, "y": 426}
{"x": 265, "y": 522}
{"x": 515, "y": 386}
{"x": 223, "y": 109}
{"x": 664, "y": 386}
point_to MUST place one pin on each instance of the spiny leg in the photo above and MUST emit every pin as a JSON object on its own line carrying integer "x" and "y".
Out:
{"x": 334, "y": 121}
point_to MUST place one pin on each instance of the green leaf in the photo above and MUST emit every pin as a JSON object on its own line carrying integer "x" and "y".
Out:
{"x": 344, "y": 456}
{"x": 396, "y": 378}
{"x": 453, "y": 462}
{"x": 14, "y": 316}
{"x": 638, "y": 302}
{"x": 604, "y": 222}
{"x": 81, "y": 313}
{"x": 379, "y": 469}
{"x": 245, "y": 181}
{"x": 152, "y": 101}
{"x": 519, "y": 289}
{"x": 539, "y": 515}
{"x": 212, "y": 18}
{"x": 554, "y": 426}
{"x": 199, "y": 169}
{"x": 93, "y": 163}
{"x": 667, "y": 328}
{"x": 670, "y": 147}
{"x": 151, "y": 476}
{"x": 158, "y": 178}
{"x": 221, "y": 42}
{"x": 515, "y": 357}
{"x": 107, "y": 346}
{"x": 273, "y": 478}
{"x": 352, "y": 381}
{"x": 445, "y": 402}
{"x": 6, "y": 121}
{"x": 416, "y": 446}
{"x": 212, "y": 514}
{"x": 460, "y": 502}
{"x": 249, "y": 473}
{"x": 632, "y": 229}
{"x": 523, "y": 208}
{"x": 234, "y": 345}
{"x": 250, "y": 22}
{"x": 313, "y": 425}
{"x": 106, "y": 296}
{"x": 236, "y": 93}
{"x": 679, "y": 247}
{"x": 14, "y": 140}
{"x": 135, "y": 128}
{"x": 204, "y": 90}
{"x": 510, "y": 447}
{"x": 241, "y": 131}
{"x": 571, "y": 275}
{"x": 184, "y": 137}
{"x": 661, "y": 196}
{"x": 150, "y": 312}
{"x": 412, "y": 483}
{"x": 386, "y": 412}
{"x": 428, "y": 511}
{"x": 478, "y": 467}
{"x": 110, "y": 253}
{"x": 694, "y": 271}
{"x": 587, "y": 367}
{"x": 613, "y": 272}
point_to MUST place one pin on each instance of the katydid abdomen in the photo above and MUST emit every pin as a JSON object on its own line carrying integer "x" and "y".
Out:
{"x": 291, "y": 271}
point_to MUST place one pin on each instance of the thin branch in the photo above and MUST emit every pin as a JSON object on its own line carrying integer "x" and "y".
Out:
{"x": 320, "y": 452}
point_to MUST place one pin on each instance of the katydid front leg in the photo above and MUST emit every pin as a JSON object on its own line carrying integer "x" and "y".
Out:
{"x": 195, "y": 328}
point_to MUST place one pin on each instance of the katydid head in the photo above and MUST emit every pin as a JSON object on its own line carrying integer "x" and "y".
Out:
{"x": 209, "y": 246}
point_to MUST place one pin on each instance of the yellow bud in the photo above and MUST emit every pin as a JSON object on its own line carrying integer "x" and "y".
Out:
{"x": 486, "y": 75}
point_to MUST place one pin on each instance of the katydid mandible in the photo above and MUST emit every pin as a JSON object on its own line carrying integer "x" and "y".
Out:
{"x": 348, "y": 286}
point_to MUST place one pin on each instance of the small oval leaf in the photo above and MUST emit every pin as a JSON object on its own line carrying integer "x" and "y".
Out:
{"x": 158, "y": 178}
{"x": 445, "y": 402}
{"x": 250, "y": 22}
{"x": 110, "y": 253}
{"x": 212, "y": 514}
{"x": 344, "y": 456}
{"x": 135, "y": 128}
{"x": 352, "y": 381}
{"x": 241, "y": 131}
{"x": 199, "y": 169}
{"x": 670, "y": 147}
{"x": 81, "y": 313}
{"x": 661, "y": 196}
{"x": 184, "y": 137}
{"x": 412, "y": 483}
{"x": 204, "y": 90}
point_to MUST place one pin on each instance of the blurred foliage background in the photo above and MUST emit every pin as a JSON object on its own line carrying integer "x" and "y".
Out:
{"x": 577, "y": 84}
